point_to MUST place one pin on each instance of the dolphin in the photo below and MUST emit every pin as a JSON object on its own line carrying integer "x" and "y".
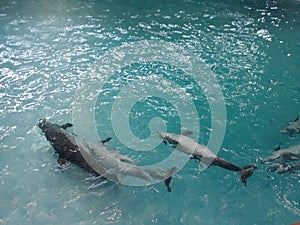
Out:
{"x": 288, "y": 154}
{"x": 293, "y": 127}
{"x": 284, "y": 167}
{"x": 95, "y": 159}
{"x": 200, "y": 152}
{"x": 289, "y": 159}
{"x": 64, "y": 144}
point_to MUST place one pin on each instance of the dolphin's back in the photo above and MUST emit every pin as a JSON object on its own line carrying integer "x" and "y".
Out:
{"x": 204, "y": 155}
{"x": 66, "y": 146}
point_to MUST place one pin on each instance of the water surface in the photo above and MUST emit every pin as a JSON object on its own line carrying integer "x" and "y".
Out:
{"x": 252, "y": 47}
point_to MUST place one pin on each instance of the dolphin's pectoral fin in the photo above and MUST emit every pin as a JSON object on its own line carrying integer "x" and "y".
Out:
{"x": 165, "y": 142}
{"x": 186, "y": 133}
{"x": 66, "y": 125}
{"x": 167, "y": 183}
{"x": 105, "y": 140}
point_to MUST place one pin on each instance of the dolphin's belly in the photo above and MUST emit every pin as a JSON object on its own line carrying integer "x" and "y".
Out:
{"x": 206, "y": 155}
{"x": 193, "y": 148}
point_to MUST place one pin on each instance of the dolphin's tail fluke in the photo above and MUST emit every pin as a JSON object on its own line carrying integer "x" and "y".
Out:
{"x": 246, "y": 172}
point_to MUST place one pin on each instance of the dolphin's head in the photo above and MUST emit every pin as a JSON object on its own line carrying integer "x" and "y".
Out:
{"x": 167, "y": 137}
{"x": 43, "y": 124}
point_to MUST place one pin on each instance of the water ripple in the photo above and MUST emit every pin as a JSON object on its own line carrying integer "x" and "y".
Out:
{"x": 45, "y": 47}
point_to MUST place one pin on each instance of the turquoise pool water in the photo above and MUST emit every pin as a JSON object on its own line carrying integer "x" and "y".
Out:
{"x": 48, "y": 48}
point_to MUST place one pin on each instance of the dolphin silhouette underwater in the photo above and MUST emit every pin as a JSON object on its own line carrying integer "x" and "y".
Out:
{"x": 289, "y": 157}
{"x": 293, "y": 128}
{"x": 200, "y": 152}
{"x": 95, "y": 159}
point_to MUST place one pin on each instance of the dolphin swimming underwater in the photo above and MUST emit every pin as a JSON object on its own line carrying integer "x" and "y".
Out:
{"x": 284, "y": 167}
{"x": 95, "y": 159}
{"x": 200, "y": 152}
{"x": 293, "y": 127}
{"x": 287, "y": 156}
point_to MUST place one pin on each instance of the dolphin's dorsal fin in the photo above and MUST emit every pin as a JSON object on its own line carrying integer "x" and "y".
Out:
{"x": 297, "y": 118}
{"x": 277, "y": 148}
{"x": 66, "y": 125}
{"x": 186, "y": 133}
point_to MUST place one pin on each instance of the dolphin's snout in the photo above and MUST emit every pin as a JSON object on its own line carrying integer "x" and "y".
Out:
{"x": 163, "y": 136}
{"x": 160, "y": 134}
{"x": 41, "y": 123}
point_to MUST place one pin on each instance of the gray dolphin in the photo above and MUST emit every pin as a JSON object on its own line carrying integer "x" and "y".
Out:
{"x": 95, "y": 159}
{"x": 200, "y": 152}
{"x": 284, "y": 167}
{"x": 293, "y": 127}
{"x": 288, "y": 154}
{"x": 289, "y": 159}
